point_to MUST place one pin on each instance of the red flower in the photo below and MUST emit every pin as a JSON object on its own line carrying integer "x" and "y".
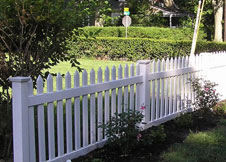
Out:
{"x": 139, "y": 136}
{"x": 143, "y": 107}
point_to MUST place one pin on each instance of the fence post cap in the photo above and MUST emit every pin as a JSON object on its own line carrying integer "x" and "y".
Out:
{"x": 19, "y": 79}
{"x": 143, "y": 61}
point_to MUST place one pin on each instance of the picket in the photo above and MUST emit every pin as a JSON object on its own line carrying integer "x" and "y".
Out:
{"x": 131, "y": 105}
{"x": 41, "y": 123}
{"x": 164, "y": 83}
{"x": 175, "y": 87}
{"x": 183, "y": 85}
{"x": 84, "y": 112}
{"x": 51, "y": 127}
{"x": 153, "y": 111}
{"x": 167, "y": 90}
{"x": 162, "y": 109}
{"x": 77, "y": 112}
{"x": 120, "y": 90}
{"x": 31, "y": 119}
{"x": 158, "y": 92}
{"x": 125, "y": 103}
{"x": 106, "y": 96}
{"x": 137, "y": 107}
{"x": 100, "y": 107}
{"x": 92, "y": 110}
{"x": 60, "y": 128}
{"x": 171, "y": 89}
{"x": 68, "y": 115}
{"x": 113, "y": 92}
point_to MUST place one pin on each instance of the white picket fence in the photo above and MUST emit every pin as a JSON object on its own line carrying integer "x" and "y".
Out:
{"x": 63, "y": 124}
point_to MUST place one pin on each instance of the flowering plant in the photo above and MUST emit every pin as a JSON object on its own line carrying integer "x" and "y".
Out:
{"x": 205, "y": 95}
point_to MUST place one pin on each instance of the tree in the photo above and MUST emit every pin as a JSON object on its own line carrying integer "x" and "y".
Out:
{"x": 95, "y": 12}
{"x": 32, "y": 38}
{"x": 218, "y": 18}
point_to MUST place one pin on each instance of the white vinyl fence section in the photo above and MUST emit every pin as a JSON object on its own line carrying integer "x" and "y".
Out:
{"x": 63, "y": 124}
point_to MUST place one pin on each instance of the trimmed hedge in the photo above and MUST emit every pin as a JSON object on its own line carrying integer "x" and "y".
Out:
{"x": 143, "y": 32}
{"x": 134, "y": 48}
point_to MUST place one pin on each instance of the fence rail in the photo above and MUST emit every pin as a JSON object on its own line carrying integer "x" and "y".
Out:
{"x": 63, "y": 124}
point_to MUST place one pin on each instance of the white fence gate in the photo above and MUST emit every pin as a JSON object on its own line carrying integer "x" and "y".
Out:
{"x": 63, "y": 124}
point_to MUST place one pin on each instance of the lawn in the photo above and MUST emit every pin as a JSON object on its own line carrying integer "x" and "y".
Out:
{"x": 208, "y": 146}
{"x": 87, "y": 64}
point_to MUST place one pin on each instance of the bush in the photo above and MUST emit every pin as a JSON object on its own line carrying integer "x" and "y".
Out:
{"x": 136, "y": 48}
{"x": 143, "y": 32}
{"x": 153, "y": 135}
{"x": 123, "y": 131}
{"x": 206, "y": 97}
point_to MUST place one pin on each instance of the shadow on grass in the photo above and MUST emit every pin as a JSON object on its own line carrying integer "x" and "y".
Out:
{"x": 205, "y": 146}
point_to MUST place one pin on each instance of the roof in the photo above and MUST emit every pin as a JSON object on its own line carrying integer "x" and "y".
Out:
{"x": 167, "y": 12}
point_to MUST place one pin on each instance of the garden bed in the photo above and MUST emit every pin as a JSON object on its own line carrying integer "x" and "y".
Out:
{"x": 175, "y": 131}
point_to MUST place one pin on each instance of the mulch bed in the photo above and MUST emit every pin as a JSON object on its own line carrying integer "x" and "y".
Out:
{"x": 147, "y": 153}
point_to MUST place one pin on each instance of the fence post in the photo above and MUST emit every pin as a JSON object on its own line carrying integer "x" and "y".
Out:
{"x": 20, "y": 87}
{"x": 144, "y": 90}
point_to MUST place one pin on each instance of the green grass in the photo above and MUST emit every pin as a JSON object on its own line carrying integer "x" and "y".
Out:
{"x": 87, "y": 64}
{"x": 206, "y": 146}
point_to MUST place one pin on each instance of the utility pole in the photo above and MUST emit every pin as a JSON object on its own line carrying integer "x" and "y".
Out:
{"x": 225, "y": 20}
{"x": 195, "y": 36}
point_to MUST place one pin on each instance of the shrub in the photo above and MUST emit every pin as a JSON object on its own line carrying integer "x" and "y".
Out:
{"x": 153, "y": 135}
{"x": 184, "y": 121}
{"x": 143, "y": 32}
{"x": 206, "y": 96}
{"x": 123, "y": 132}
{"x": 220, "y": 108}
{"x": 136, "y": 48}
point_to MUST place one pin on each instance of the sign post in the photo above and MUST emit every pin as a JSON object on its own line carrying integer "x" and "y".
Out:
{"x": 126, "y": 20}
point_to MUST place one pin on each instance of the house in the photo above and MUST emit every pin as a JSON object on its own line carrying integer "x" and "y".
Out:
{"x": 168, "y": 9}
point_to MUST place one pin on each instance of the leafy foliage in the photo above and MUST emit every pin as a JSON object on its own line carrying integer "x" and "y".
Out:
{"x": 32, "y": 38}
{"x": 207, "y": 17}
{"x": 206, "y": 96}
{"x": 123, "y": 131}
{"x": 137, "y": 48}
{"x": 142, "y": 32}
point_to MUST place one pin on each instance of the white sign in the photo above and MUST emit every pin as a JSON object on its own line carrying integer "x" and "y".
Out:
{"x": 126, "y": 21}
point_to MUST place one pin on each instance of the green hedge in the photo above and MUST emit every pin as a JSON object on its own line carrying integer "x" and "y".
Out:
{"x": 143, "y": 32}
{"x": 134, "y": 48}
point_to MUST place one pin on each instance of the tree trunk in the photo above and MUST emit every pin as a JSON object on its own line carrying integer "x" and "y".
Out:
{"x": 218, "y": 17}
